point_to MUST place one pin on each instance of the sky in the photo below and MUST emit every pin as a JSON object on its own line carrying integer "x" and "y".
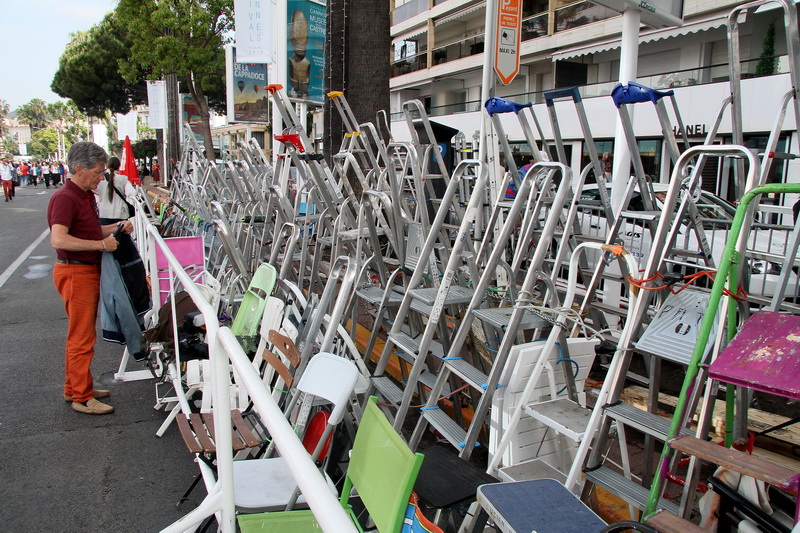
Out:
{"x": 35, "y": 33}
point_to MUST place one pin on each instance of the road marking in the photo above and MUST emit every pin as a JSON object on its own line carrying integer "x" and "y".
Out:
{"x": 23, "y": 256}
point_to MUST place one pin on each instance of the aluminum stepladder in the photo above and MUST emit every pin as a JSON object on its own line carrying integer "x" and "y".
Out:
{"x": 615, "y": 411}
{"x": 446, "y": 294}
{"x": 511, "y": 320}
{"x": 697, "y": 372}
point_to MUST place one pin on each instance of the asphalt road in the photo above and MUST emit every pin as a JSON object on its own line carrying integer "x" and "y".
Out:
{"x": 62, "y": 471}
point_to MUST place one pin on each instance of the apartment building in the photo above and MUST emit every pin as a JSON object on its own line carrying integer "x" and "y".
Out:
{"x": 437, "y": 58}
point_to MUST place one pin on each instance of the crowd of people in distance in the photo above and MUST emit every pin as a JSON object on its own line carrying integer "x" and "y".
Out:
{"x": 25, "y": 173}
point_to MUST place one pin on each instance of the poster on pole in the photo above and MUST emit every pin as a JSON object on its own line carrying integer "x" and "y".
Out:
{"x": 508, "y": 39}
{"x": 306, "y": 20}
{"x": 246, "y": 98}
{"x": 127, "y": 126}
{"x": 253, "y": 20}
{"x": 100, "y": 135}
{"x": 157, "y": 103}
{"x": 191, "y": 115}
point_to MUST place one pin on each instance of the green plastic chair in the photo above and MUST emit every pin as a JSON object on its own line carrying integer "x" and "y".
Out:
{"x": 382, "y": 469}
{"x": 248, "y": 317}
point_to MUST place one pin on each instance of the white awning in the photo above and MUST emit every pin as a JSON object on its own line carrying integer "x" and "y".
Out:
{"x": 409, "y": 35}
{"x": 644, "y": 37}
{"x": 458, "y": 14}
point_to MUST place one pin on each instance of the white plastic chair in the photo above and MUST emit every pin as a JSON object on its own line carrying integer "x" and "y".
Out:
{"x": 262, "y": 485}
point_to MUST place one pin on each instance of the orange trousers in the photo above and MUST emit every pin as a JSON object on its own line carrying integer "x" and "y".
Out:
{"x": 79, "y": 286}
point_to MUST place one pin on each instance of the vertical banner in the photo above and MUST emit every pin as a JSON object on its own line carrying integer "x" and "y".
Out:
{"x": 246, "y": 97}
{"x": 100, "y": 135}
{"x": 253, "y": 20}
{"x": 127, "y": 126}
{"x": 508, "y": 39}
{"x": 157, "y": 102}
{"x": 306, "y": 21}
{"x": 191, "y": 116}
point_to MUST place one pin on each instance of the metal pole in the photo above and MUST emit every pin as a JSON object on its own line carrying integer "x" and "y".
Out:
{"x": 278, "y": 71}
{"x": 629, "y": 55}
{"x": 488, "y": 79}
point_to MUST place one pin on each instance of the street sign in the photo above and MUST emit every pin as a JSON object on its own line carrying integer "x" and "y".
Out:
{"x": 508, "y": 38}
{"x": 655, "y": 13}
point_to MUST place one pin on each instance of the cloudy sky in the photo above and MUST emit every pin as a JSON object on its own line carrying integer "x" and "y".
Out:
{"x": 35, "y": 33}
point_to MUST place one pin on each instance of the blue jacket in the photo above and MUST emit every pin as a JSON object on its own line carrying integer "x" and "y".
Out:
{"x": 118, "y": 318}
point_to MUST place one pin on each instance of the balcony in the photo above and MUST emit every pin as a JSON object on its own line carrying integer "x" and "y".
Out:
{"x": 535, "y": 26}
{"x": 458, "y": 49}
{"x": 581, "y": 14}
{"x": 410, "y": 64}
{"x": 408, "y": 10}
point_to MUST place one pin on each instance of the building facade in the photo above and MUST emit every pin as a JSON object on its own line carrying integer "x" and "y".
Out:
{"x": 437, "y": 58}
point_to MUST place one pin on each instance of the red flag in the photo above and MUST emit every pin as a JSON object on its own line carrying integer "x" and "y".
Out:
{"x": 129, "y": 163}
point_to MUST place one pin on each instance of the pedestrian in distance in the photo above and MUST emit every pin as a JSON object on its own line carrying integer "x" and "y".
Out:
{"x": 80, "y": 240}
{"x": 6, "y": 177}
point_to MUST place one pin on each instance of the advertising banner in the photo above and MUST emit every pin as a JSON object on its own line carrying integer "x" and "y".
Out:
{"x": 100, "y": 135}
{"x": 157, "y": 102}
{"x": 253, "y": 20}
{"x": 247, "y": 99}
{"x": 191, "y": 116}
{"x": 127, "y": 126}
{"x": 306, "y": 48}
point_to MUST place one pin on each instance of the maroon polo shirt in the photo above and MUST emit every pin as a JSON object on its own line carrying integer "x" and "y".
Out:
{"x": 76, "y": 209}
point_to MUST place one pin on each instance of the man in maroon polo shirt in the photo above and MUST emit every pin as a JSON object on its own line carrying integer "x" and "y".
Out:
{"x": 80, "y": 240}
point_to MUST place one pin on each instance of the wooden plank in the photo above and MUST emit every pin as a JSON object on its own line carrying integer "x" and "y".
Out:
{"x": 244, "y": 430}
{"x": 738, "y": 461}
{"x": 757, "y": 420}
{"x": 202, "y": 433}
{"x": 187, "y": 434}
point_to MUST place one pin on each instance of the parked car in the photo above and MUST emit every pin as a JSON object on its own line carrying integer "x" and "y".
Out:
{"x": 766, "y": 242}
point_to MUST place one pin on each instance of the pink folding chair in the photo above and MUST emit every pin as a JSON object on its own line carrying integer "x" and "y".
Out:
{"x": 190, "y": 253}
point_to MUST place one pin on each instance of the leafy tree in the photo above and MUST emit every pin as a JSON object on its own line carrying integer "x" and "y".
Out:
{"x": 4, "y": 109}
{"x": 768, "y": 64}
{"x": 10, "y": 146}
{"x": 71, "y": 122}
{"x": 34, "y": 113}
{"x": 145, "y": 148}
{"x": 44, "y": 142}
{"x": 182, "y": 37}
{"x": 88, "y": 70}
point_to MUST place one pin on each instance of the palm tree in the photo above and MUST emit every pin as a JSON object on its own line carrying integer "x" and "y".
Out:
{"x": 35, "y": 113}
{"x": 4, "y": 109}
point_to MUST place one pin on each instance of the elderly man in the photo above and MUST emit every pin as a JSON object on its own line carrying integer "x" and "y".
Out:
{"x": 80, "y": 240}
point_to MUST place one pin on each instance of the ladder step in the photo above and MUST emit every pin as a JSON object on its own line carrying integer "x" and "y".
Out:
{"x": 449, "y": 429}
{"x": 648, "y": 423}
{"x": 500, "y": 318}
{"x": 738, "y": 462}
{"x": 641, "y": 215}
{"x": 563, "y": 415}
{"x": 628, "y": 490}
{"x": 468, "y": 373}
{"x": 388, "y": 389}
{"x": 410, "y": 345}
{"x": 669, "y": 523}
{"x": 455, "y": 295}
{"x": 374, "y": 295}
{"x": 535, "y": 469}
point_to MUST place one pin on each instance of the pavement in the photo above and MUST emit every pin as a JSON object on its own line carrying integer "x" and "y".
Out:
{"x": 64, "y": 471}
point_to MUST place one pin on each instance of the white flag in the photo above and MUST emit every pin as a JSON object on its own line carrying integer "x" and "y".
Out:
{"x": 157, "y": 102}
{"x": 126, "y": 125}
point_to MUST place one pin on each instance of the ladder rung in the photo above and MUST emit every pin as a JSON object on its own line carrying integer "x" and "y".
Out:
{"x": 410, "y": 345}
{"x": 388, "y": 389}
{"x": 441, "y": 422}
{"x": 476, "y": 379}
{"x": 628, "y": 490}
{"x": 648, "y": 423}
{"x": 563, "y": 415}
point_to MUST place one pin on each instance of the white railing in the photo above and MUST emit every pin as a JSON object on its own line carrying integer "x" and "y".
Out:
{"x": 224, "y": 351}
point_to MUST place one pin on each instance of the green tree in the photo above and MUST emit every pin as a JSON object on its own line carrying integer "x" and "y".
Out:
{"x": 34, "y": 113}
{"x": 69, "y": 120}
{"x": 89, "y": 74}
{"x": 4, "y": 109}
{"x": 44, "y": 143}
{"x": 768, "y": 64}
{"x": 182, "y": 37}
{"x": 10, "y": 146}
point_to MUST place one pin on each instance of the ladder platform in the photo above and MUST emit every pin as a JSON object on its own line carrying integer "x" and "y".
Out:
{"x": 535, "y": 469}
{"x": 669, "y": 523}
{"x": 455, "y": 295}
{"x": 648, "y": 423}
{"x": 628, "y": 490}
{"x": 374, "y": 295}
{"x": 410, "y": 345}
{"x": 563, "y": 415}
{"x": 388, "y": 389}
{"x": 764, "y": 356}
{"x": 352, "y": 235}
{"x": 468, "y": 373}
{"x": 737, "y": 461}
{"x": 446, "y": 426}
{"x": 641, "y": 215}
{"x": 500, "y": 317}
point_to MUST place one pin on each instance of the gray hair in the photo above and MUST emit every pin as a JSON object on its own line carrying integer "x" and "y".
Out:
{"x": 86, "y": 154}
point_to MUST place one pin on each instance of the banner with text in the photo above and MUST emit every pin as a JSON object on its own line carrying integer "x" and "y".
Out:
{"x": 306, "y": 20}
{"x": 127, "y": 126}
{"x": 157, "y": 102}
{"x": 253, "y": 20}
{"x": 247, "y": 99}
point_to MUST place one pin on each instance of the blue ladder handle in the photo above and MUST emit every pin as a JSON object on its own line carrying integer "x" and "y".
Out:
{"x": 499, "y": 105}
{"x": 634, "y": 93}
{"x": 572, "y": 92}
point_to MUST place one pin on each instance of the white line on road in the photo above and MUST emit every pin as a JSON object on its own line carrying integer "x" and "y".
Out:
{"x": 23, "y": 256}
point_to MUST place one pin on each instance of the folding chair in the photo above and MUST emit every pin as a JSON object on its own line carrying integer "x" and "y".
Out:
{"x": 262, "y": 485}
{"x": 382, "y": 469}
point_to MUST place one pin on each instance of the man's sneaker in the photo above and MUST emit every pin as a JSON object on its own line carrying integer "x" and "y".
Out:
{"x": 92, "y": 407}
{"x": 98, "y": 393}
